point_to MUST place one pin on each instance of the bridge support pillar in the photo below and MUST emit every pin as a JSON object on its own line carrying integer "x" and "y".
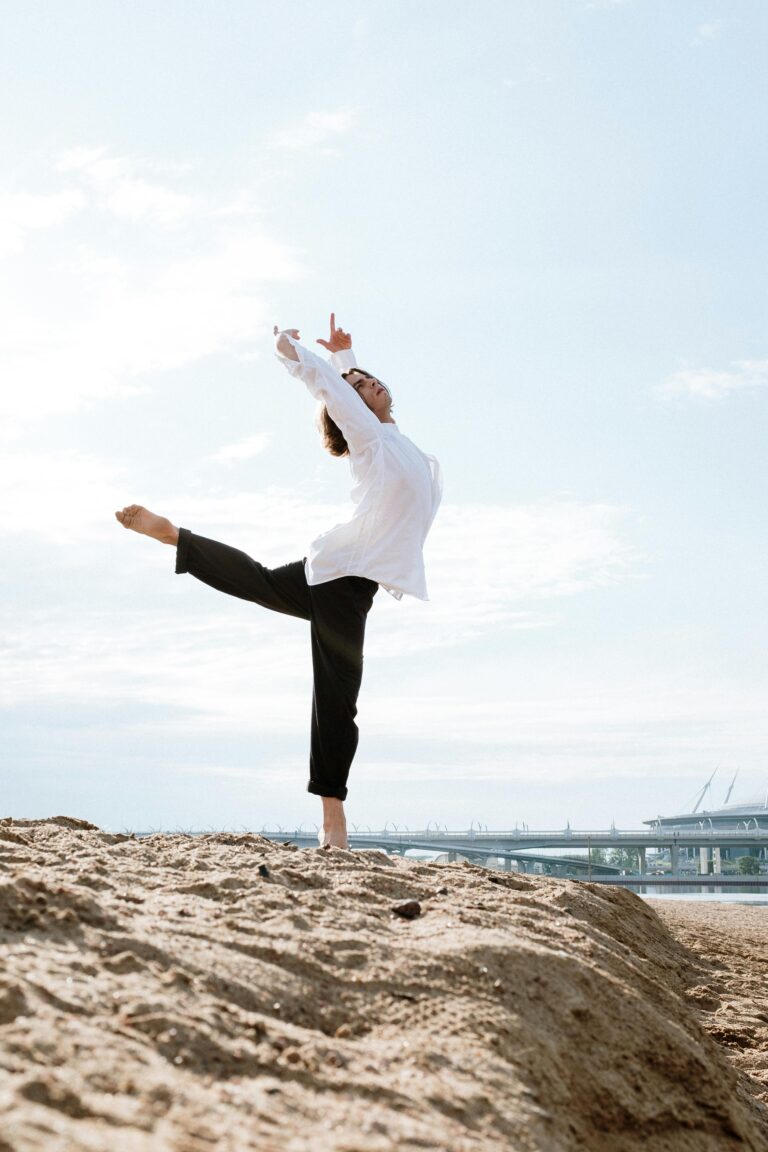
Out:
{"x": 507, "y": 863}
{"x": 674, "y": 859}
{"x": 641, "y": 860}
{"x": 717, "y": 859}
{"x": 703, "y": 861}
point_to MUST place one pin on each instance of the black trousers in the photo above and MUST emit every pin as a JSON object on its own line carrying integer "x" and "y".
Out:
{"x": 336, "y": 611}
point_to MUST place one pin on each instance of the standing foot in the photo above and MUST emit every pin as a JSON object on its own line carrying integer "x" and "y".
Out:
{"x": 334, "y": 831}
{"x": 142, "y": 520}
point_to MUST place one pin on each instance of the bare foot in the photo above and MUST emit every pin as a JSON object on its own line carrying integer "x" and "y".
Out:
{"x": 334, "y": 831}
{"x": 142, "y": 520}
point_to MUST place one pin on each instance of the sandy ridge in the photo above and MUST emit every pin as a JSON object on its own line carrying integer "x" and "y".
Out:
{"x": 218, "y": 991}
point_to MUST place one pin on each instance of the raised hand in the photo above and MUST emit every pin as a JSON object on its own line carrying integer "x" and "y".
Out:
{"x": 339, "y": 340}
{"x": 294, "y": 332}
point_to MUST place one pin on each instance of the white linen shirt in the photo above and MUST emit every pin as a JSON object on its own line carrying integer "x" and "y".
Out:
{"x": 396, "y": 493}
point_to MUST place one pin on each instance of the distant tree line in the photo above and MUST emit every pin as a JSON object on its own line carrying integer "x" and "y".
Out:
{"x": 628, "y": 860}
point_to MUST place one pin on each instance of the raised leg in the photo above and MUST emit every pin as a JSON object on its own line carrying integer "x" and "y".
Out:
{"x": 229, "y": 570}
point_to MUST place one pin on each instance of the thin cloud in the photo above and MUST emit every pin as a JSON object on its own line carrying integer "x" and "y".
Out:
{"x": 117, "y": 188}
{"x": 38, "y": 486}
{"x": 112, "y": 313}
{"x": 663, "y": 729}
{"x": 507, "y": 567}
{"x": 317, "y": 132}
{"x": 707, "y": 33}
{"x": 242, "y": 450}
{"x": 24, "y": 212}
{"x": 713, "y": 384}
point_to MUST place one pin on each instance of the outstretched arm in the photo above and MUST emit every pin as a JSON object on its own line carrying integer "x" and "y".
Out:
{"x": 358, "y": 423}
{"x": 338, "y": 342}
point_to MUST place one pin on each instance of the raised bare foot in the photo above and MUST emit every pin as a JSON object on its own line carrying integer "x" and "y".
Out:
{"x": 334, "y": 831}
{"x": 142, "y": 520}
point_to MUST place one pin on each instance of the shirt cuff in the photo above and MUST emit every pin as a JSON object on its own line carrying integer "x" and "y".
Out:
{"x": 343, "y": 361}
{"x": 290, "y": 340}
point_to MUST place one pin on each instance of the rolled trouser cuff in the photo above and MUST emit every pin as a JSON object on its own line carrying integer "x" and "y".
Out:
{"x": 331, "y": 793}
{"x": 182, "y": 551}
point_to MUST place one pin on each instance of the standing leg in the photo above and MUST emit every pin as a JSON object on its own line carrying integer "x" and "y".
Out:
{"x": 339, "y": 610}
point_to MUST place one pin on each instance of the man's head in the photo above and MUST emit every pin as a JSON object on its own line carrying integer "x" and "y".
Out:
{"x": 374, "y": 394}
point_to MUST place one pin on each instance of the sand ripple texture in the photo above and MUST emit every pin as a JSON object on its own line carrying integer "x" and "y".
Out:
{"x": 182, "y": 993}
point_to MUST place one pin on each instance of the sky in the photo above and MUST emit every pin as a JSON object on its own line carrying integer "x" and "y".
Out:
{"x": 543, "y": 222}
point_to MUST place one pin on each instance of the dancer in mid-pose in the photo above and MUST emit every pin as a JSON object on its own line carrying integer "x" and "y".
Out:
{"x": 396, "y": 494}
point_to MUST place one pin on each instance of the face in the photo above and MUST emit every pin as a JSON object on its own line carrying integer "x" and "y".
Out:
{"x": 373, "y": 393}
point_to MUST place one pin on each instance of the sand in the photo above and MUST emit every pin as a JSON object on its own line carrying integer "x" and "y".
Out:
{"x": 728, "y": 978}
{"x": 188, "y": 993}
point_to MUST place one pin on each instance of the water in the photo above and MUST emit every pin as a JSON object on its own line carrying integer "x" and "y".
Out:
{"x": 654, "y": 892}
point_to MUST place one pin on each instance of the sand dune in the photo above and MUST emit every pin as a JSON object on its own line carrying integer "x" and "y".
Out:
{"x": 189, "y": 993}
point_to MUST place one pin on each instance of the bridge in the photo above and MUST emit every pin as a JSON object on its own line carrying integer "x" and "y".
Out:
{"x": 520, "y": 845}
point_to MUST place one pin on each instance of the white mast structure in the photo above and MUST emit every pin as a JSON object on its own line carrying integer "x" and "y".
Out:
{"x": 703, "y": 793}
{"x": 728, "y": 793}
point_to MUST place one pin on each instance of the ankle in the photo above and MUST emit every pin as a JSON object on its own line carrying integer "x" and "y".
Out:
{"x": 333, "y": 813}
{"x": 337, "y": 821}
